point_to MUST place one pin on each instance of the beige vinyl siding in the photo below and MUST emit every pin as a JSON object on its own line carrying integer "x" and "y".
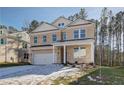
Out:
{"x": 89, "y": 31}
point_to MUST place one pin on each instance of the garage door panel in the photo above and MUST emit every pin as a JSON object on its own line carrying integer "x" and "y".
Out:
{"x": 46, "y": 58}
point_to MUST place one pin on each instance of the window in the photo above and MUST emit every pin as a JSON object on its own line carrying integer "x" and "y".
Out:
{"x": 2, "y": 41}
{"x": 35, "y": 40}
{"x": 82, "y": 33}
{"x": 26, "y": 55}
{"x": 82, "y": 51}
{"x": 0, "y": 32}
{"x": 61, "y": 25}
{"x": 79, "y": 52}
{"x": 54, "y": 38}
{"x": 64, "y": 36}
{"x": 44, "y": 39}
{"x": 76, "y": 34}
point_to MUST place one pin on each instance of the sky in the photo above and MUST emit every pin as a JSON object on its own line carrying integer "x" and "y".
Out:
{"x": 18, "y": 16}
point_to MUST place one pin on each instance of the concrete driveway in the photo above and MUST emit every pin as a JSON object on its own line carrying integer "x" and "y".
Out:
{"x": 34, "y": 74}
{"x": 8, "y": 71}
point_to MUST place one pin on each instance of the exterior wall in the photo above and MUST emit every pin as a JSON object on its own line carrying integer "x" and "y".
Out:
{"x": 49, "y": 37}
{"x": 85, "y": 59}
{"x": 11, "y": 49}
{"x": 70, "y": 54}
{"x": 44, "y": 27}
{"x": 61, "y": 20}
{"x": 4, "y": 31}
{"x": 89, "y": 30}
{"x": 10, "y": 53}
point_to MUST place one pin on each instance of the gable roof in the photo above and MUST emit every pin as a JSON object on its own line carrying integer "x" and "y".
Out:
{"x": 44, "y": 26}
{"x": 79, "y": 21}
{"x": 61, "y": 17}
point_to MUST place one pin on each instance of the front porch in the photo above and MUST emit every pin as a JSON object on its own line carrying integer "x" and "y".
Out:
{"x": 73, "y": 52}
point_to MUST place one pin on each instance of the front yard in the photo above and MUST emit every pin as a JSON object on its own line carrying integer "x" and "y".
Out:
{"x": 109, "y": 76}
{"x": 56, "y": 74}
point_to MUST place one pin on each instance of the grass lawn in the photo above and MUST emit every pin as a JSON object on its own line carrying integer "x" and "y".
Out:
{"x": 8, "y": 64}
{"x": 110, "y": 76}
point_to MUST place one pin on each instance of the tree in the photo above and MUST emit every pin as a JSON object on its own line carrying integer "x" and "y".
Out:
{"x": 123, "y": 34}
{"x": 103, "y": 34}
{"x": 83, "y": 13}
{"x": 33, "y": 25}
{"x": 113, "y": 40}
{"x": 118, "y": 28}
{"x": 71, "y": 18}
{"x": 96, "y": 39}
{"x": 110, "y": 38}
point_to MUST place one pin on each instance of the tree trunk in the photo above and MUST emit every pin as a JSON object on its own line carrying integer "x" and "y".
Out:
{"x": 95, "y": 51}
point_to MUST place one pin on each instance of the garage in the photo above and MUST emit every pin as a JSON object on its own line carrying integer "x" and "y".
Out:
{"x": 40, "y": 58}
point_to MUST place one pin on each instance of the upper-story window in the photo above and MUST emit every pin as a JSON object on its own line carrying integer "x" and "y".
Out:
{"x": 64, "y": 36}
{"x": 0, "y": 32}
{"x": 35, "y": 40}
{"x": 54, "y": 37}
{"x": 44, "y": 39}
{"x": 78, "y": 34}
{"x": 82, "y": 33}
{"x": 61, "y": 25}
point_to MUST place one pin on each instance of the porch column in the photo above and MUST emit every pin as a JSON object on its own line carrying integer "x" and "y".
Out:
{"x": 92, "y": 52}
{"x": 64, "y": 54}
{"x": 53, "y": 54}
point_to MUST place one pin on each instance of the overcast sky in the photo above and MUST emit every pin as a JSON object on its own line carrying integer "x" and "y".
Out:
{"x": 17, "y": 16}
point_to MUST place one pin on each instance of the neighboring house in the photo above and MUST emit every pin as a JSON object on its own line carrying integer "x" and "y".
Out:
{"x": 14, "y": 46}
{"x": 63, "y": 41}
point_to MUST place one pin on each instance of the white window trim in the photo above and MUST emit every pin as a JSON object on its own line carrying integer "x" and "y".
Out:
{"x": 79, "y": 33}
{"x": 79, "y": 56}
{"x": 74, "y": 34}
{"x": 52, "y": 37}
{"x": 65, "y": 36}
{"x": 61, "y": 26}
{"x": 37, "y": 40}
{"x": 42, "y": 39}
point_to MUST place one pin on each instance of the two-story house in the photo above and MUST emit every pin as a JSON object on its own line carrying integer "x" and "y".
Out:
{"x": 63, "y": 41}
{"x": 14, "y": 46}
